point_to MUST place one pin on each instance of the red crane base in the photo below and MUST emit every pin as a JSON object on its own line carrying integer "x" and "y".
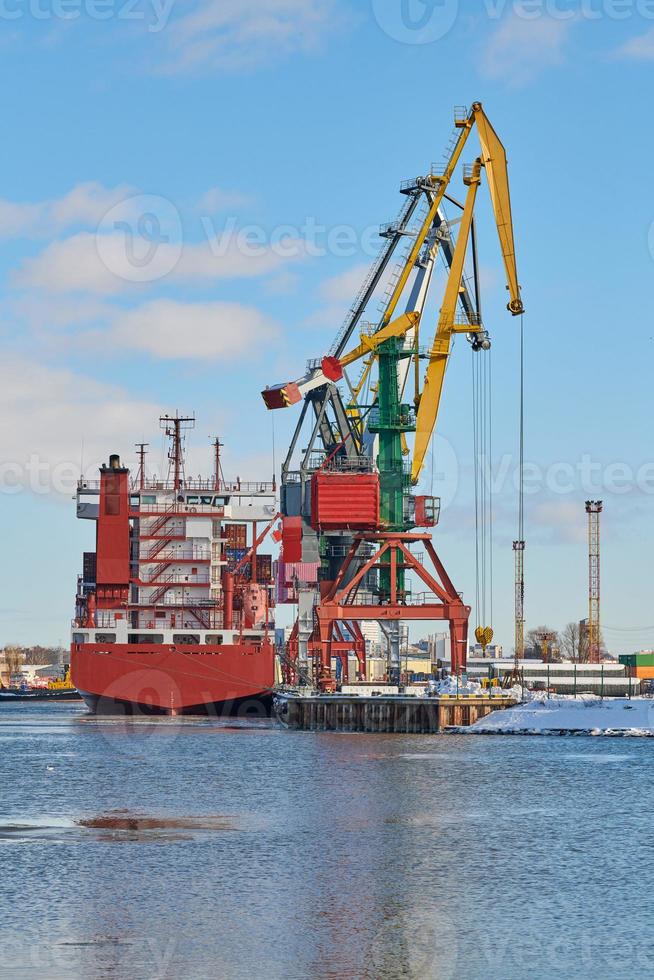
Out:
{"x": 340, "y": 603}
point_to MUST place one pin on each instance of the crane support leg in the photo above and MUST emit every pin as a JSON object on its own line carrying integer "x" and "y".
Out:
{"x": 341, "y": 604}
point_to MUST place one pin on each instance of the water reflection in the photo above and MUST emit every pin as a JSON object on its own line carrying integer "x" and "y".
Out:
{"x": 160, "y": 852}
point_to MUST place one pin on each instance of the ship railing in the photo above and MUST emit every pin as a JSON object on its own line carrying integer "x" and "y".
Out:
{"x": 175, "y": 510}
{"x": 179, "y": 579}
{"x": 407, "y": 598}
{"x": 343, "y": 464}
{"x": 103, "y": 620}
{"x": 191, "y": 485}
{"x": 193, "y": 554}
{"x": 169, "y": 601}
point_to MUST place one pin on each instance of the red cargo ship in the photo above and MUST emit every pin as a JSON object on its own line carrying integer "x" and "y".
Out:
{"x": 173, "y": 609}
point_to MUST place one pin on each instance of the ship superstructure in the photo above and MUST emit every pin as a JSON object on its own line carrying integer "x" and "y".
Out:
{"x": 174, "y": 608}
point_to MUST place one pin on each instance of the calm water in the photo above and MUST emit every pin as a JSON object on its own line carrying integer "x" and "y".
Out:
{"x": 339, "y": 856}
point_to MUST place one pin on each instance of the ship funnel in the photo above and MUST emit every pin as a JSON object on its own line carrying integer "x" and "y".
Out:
{"x": 114, "y": 461}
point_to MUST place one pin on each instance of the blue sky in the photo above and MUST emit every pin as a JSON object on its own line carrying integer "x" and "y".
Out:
{"x": 296, "y": 121}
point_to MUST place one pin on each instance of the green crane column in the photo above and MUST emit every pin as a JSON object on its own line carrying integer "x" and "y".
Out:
{"x": 389, "y": 420}
{"x": 389, "y": 429}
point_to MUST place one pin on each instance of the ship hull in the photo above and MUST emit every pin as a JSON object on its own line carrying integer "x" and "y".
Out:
{"x": 224, "y": 681}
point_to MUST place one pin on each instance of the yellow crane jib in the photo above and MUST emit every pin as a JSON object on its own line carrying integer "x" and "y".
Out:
{"x": 447, "y": 326}
{"x": 370, "y": 342}
{"x": 494, "y": 160}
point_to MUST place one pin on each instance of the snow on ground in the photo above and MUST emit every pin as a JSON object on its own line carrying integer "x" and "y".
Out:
{"x": 586, "y": 714}
{"x": 452, "y": 686}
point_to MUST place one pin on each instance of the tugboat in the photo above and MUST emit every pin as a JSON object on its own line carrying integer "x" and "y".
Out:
{"x": 57, "y": 690}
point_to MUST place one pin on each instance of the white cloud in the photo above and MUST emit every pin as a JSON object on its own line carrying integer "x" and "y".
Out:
{"x": 561, "y": 520}
{"x": 231, "y": 35}
{"x": 345, "y": 286}
{"x": 519, "y": 50}
{"x": 217, "y": 199}
{"x": 48, "y": 414}
{"x": 283, "y": 283}
{"x": 44, "y": 313}
{"x": 339, "y": 293}
{"x": 111, "y": 264}
{"x": 72, "y": 265}
{"x": 640, "y": 48}
{"x": 85, "y": 204}
{"x": 56, "y": 423}
{"x": 204, "y": 331}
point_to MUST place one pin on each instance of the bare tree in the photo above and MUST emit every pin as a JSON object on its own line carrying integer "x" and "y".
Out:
{"x": 544, "y": 641}
{"x": 571, "y": 642}
{"x": 40, "y": 656}
{"x": 13, "y": 657}
{"x": 574, "y": 640}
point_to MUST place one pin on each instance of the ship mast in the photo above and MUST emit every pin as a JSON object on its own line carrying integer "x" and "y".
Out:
{"x": 174, "y": 426}
{"x": 142, "y": 448}
{"x": 219, "y": 479}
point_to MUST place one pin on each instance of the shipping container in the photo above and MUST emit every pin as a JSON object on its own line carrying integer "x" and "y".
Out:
{"x": 288, "y": 577}
{"x": 645, "y": 659}
{"x": 292, "y": 539}
{"x": 347, "y": 501}
{"x": 236, "y": 535}
{"x": 234, "y": 556}
{"x": 264, "y": 569}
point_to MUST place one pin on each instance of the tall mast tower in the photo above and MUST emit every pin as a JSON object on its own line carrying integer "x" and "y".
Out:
{"x": 594, "y": 508}
{"x": 519, "y": 551}
{"x": 174, "y": 426}
{"x": 218, "y": 477}
{"x": 142, "y": 448}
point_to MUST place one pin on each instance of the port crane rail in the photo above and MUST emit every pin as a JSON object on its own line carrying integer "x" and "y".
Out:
{"x": 364, "y": 439}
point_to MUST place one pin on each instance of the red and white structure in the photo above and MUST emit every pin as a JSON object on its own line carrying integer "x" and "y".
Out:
{"x": 174, "y": 608}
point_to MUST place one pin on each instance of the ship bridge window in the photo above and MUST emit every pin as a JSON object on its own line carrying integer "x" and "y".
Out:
{"x": 80, "y": 637}
{"x": 206, "y": 501}
{"x": 105, "y": 637}
{"x": 145, "y": 638}
{"x": 148, "y": 498}
{"x": 193, "y": 501}
{"x": 214, "y": 640}
{"x": 220, "y": 501}
{"x": 186, "y": 639}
